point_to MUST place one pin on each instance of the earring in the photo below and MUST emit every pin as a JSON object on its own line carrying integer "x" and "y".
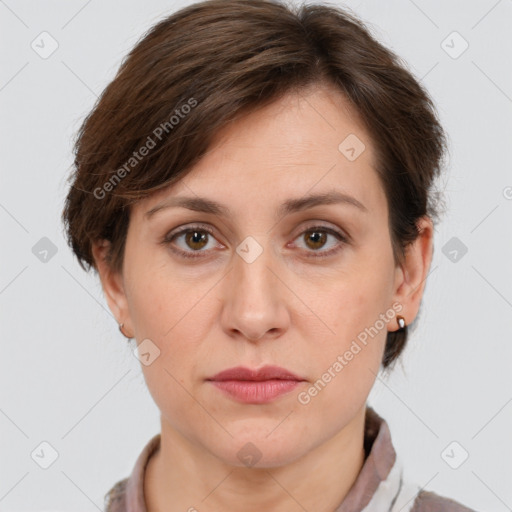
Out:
{"x": 123, "y": 333}
{"x": 400, "y": 321}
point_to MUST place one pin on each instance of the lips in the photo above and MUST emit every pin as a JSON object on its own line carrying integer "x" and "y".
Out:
{"x": 256, "y": 386}
{"x": 241, "y": 373}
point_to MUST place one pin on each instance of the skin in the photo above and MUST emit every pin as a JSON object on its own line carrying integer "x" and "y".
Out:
{"x": 286, "y": 308}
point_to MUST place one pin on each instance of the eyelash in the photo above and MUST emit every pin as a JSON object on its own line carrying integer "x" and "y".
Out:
{"x": 168, "y": 239}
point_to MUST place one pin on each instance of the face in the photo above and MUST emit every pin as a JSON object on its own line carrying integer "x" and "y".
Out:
{"x": 312, "y": 289}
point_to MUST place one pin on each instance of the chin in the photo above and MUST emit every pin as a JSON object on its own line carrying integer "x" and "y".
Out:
{"x": 259, "y": 452}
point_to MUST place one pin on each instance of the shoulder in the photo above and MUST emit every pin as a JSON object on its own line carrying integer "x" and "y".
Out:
{"x": 430, "y": 502}
{"x": 115, "y": 499}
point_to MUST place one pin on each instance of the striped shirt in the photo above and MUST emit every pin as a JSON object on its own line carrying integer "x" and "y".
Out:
{"x": 379, "y": 487}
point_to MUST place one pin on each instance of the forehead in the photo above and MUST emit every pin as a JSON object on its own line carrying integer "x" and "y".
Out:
{"x": 311, "y": 141}
{"x": 315, "y": 120}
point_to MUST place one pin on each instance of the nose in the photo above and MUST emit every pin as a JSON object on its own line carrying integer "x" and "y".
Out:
{"x": 254, "y": 304}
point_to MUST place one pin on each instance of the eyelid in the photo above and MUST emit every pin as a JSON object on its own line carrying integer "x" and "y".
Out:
{"x": 189, "y": 227}
{"x": 320, "y": 224}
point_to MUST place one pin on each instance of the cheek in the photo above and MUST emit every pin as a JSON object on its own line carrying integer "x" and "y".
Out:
{"x": 353, "y": 314}
{"x": 171, "y": 312}
{"x": 342, "y": 306}
{"x": 156, "y": 297}
{"x": 346, "y": 363}
{"x": 170, "y": 393}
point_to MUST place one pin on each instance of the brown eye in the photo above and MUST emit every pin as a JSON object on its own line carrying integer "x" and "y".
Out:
{"x": 196, "y": 239}
{"x": 318, "y": 237}
{"x": 193, "y": 241}
{"x": 315, "y": 239}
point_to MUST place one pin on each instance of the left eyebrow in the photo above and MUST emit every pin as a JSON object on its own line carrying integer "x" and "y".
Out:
{"x": 333, "y": 197}
{"x": 205, "y": 205}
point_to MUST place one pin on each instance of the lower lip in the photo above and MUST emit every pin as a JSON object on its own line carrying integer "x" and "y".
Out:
{"x": 256, "y": 392}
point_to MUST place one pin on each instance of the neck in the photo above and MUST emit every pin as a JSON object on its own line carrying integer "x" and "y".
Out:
{"x": 182, "y": 476}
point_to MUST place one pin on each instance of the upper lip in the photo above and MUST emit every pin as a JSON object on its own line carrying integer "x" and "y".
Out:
{"x": 265, "y": 373}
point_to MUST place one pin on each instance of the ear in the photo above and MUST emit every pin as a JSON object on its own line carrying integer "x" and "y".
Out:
{"x": 112, "y": 284}
{"x": 411, "y": 275}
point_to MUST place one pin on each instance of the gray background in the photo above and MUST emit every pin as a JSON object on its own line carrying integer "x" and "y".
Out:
{"x": 69, "y": 378}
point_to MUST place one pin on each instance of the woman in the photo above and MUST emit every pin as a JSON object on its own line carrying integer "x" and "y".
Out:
{"x": 254, "y": 191}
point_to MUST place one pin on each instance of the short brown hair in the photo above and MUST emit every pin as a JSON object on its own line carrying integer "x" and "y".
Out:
{"x": 214, "y": 61}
